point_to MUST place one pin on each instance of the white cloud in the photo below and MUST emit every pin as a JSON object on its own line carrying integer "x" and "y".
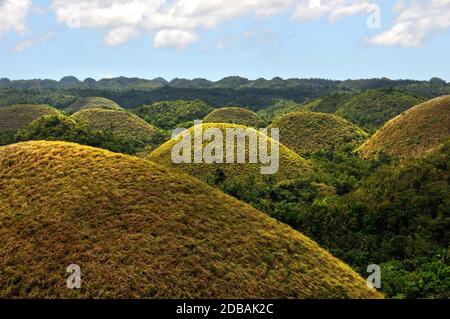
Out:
{"x": 174, "y": 38}
{"x": 13, "y": 14}
{"x": 415, "y": 23}
{"x": 176, "y": 23}
{"x": 332, "y": 9}
{"x": 27, "y": 43}
{"x": 120, "y": 35}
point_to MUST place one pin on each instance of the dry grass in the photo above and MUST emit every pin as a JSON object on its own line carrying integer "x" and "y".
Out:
{"x": 290, "y": 163}
{"x": 234, "y": 115}
{"x": 413, "y": 132}
{"x": 93, "y": 103}
{"x": 17, "y": 117}
{"x": 306, "y": 132}
{"x": 121, "y": 124}
{"x": 142, "y": 231}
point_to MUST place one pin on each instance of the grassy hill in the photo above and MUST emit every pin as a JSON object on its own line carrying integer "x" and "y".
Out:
{"x": 307, "y": 132}
{"x": 173, "y": 114}
{"x": 121, "y": 124}
{"x": 138, "y": 230}
{"x": 371, "y": 109}
{"x": 16, "y": 117}
{"x": 93, "y": 103}
{"x": 282, "y": 107}
{"x": 413, "y": 132}
{"x": 290, "y": 163}
{"x": 234, "y": 115}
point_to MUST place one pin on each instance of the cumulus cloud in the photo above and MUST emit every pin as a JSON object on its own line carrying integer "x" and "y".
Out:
{"x": 177, "y": 23}
{"x": 174, "y": 38}
{"x": 332, "y": 9}
{"x": 13, "y": 14}
{"x": 414, "y": 23}
{"x": 174, "y": 23}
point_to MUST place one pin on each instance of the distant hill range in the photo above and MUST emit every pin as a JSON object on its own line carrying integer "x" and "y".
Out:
{"x": 229, "y": 91}
{"x": 230, "y": 82}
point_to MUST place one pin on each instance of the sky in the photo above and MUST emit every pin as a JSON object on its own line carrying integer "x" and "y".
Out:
{"x": 333, "y": 39}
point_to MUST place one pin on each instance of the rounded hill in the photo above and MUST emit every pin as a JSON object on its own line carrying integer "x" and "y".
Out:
{"x": 17, "y": 117}
{"x": 234, "y": 115}
{"x": 121, "y": 124}
{"x": 290, "y": 163}
{"x": 173, "y": 114}
{"x": 412, "y": 133}
{"x": 371, "y": 109}
{"x": 307, "y": 132}
{"x": 137, "y": 230}
{"x": 93, "y": 103}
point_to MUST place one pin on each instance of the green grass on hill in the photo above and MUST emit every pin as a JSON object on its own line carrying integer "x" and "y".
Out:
{"x": 290, "y": 163}
{"x": 413, "y": 132}
{"x": 235, "y": 115}
{"x": 330, "y": 103}
{"x": 371, "y": 109}
{"x": 308, "y": 132}
{"x": 16, "y": 117}
{"x": 173, "y": 114}
{"x": 93, "y": 103}
{"x": 282, "y": 107}
{"x": 121, "y": 124}
{"x": 138, "y": 230}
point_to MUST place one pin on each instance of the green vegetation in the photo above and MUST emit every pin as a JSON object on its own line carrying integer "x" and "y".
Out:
{"x": 63, "y": 128}
{"x": 16, "y": 117}
{"x": 397, "y": 217}
{"x": 138, "y": 230}
{"x": 93, "y": 103}
{"x": 122, "y": 125}
{"x": 371, "y": 109}
{"x": 308, "y": 132}
{"x": 234, "y": 115}
{"x": 290, "y": 164}
{"x": 282, "y": 107}
{"x": 413, "y": 132}
{"x": 173, "y": 114}
{"x": 331, "y": 103}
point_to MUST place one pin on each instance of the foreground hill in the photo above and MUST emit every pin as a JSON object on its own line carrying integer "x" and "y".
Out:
{"x": 93, "y": 103}
{"x": 141, "y": 231}
{"x": 307, "y": 132}
{"x": 16, "y": 117}
{"x": 414, "y": 132}
{"x": 173, "y": 114}
{"x": 371, "y": 109}
{"x": 234, "y": 115}
{"x": 290, "y": 164}
{"x": 121, "y": 124}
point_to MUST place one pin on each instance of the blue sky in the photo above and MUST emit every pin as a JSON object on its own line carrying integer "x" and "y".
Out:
{"x": 215, "y": 41}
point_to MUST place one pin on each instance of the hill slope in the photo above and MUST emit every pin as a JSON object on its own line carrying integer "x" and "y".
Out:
{"x": 371, "y": 109}
{"x": 139, "y": 230}
{"x": 282, "y": 107}
{"x": 16, "y": 117}
{"x": 121, "y": 124}
{"x": 234, "y": 115}
{"x": 307, "y": 132}
{"x": 414, "y": 132}
{"x": 93, "y": 103}
{"x": 172, "y": 114}
{"x": 290, "y": 163}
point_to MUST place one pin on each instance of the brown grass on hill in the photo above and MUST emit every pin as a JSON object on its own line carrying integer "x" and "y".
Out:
{"x": 413, "y": 132}
{"x": 138, "y": 230}
{"x": 17, "y": 117}
{"x": 307, "y": 132}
